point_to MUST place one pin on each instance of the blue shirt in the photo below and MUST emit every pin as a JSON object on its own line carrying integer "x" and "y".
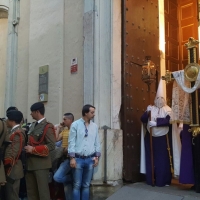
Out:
{"x": 79, "y": 144}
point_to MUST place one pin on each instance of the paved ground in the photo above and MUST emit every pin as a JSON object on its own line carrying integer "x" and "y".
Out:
{"x": 141, "y": 191}
{"x": 102, "y": 192}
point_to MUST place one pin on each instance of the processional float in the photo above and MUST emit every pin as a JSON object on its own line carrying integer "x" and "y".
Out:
{"x": 191, "y": 74}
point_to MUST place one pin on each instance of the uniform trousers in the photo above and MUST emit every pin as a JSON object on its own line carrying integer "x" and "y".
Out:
{"x": 12, "y": 190}
{"x": 37, "y": 183}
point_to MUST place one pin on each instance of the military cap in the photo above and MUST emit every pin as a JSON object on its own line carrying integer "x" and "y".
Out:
{"x": 37, "y": 106}
{"x": 11, "y": 108}
{"x": 14, "y": 115}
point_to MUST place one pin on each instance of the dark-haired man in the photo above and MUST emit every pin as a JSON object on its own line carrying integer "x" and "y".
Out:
{"x": 84, "y": 150}
{"x": 41, "y": 140}
{"x": 11, "y": 108}
{"x": 12, "y": 163}
{"x": 63, "y": 174}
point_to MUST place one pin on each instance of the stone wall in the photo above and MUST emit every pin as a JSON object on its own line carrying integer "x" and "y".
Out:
{"x": 50, "y": 33}
{"x": 114, "y": 156}
{"x": 3, "y": 48}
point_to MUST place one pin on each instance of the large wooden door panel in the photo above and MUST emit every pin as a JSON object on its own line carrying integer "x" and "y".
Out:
{"x": 188, "y": 26}
{"x": 172, "y": 51}
{"x": 140, "y": 39}
{"x": 180, "y": 24}
{"x": 171, "y": 35}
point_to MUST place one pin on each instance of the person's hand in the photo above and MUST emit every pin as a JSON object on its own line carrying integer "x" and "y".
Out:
{"x": 55, "y": 128}
{"x": 3, "y": 183}
{"x": 28, "y": 148}
{"x": 149, "y": 107}
{"x": 152, "y": 124}
{"x": 96, "y": 161}
{"x": 61, "y": 125}
{"x": 72, "y": 163}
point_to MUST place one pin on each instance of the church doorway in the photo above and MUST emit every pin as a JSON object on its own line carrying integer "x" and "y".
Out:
{"x": 140, "y": 38}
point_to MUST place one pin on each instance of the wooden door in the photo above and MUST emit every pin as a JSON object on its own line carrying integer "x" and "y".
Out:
{"x": 172, "y": 35}
{"x": 140, "y": 39}
{"x": 172, "y": 52}
{"x": 188, "y": 17}
{"x": 181, "y": 22}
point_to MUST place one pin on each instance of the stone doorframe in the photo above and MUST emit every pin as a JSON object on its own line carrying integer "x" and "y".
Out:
{"x": 102, "y": 77}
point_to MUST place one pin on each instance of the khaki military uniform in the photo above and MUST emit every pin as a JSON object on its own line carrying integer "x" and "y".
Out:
{"x": 3, "y": 131}
{"x": 15, "y": 171}
{"x": 39, "y": 162}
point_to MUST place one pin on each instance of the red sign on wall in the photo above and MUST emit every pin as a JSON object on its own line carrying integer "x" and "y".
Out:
{"x": 74, "y": 65}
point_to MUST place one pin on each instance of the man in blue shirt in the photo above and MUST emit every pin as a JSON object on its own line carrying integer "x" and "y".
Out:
{"x": 84, "y": 151}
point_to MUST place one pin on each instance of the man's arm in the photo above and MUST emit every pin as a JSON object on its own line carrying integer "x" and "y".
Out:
{"x": 60, "y": 136}
{"x": 50, "y": 139}
{"x": 43, "y": 150}
{"x": 72, "y": 140}
{"x": 163, "y": 121}
{"x": 144, "y": 118}
{"x": 71, "y": 144}
{"x": 58, "y": 132}
{"x": 13, "y": 150}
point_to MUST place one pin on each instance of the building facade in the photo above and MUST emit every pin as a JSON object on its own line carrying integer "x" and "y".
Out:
{"x": 38, "y": 33}
{"x": 109, "y": 39}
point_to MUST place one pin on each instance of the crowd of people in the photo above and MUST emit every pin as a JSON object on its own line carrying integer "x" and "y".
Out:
{"x": 29, "y": 153}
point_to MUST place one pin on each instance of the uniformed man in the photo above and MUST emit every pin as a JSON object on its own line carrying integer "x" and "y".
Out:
{"x": 9, "y": 109}
{"x": 3, "y": 131}
{"x": 12, "y": 163}
{"x": 41, "y": 140}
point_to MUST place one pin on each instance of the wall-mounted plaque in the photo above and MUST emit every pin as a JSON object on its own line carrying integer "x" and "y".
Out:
{"x": 43, "y": 83}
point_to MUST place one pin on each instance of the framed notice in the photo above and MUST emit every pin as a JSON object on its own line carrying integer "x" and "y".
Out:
{"x": 74, "y": 65}
{"x": 43, "y": 83}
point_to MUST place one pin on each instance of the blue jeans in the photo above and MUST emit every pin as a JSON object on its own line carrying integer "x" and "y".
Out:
{"x": 82, "y": 176}
{"x": 64, "y": 176}
{"x": 68, "y": 191}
